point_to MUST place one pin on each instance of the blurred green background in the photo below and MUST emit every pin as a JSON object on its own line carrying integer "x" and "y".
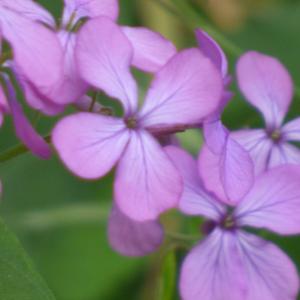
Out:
{"x": 61, "y": 220}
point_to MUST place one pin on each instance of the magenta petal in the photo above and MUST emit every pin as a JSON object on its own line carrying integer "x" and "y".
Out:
{"x": 194, "y": 200}
{"x": 274, "y": 201}
{"x": 185, "y": 91}
{"x": 266, "y": 84}
{"x": 213, "y": 270}
{"x": 90, "y": 9}
{"x": 132, "y": 238}
{"x": 24, "y": 131}
{"x": 29, "y": 9}
{"x": 147, "y": 183}
{"x": 36, "y": 50}
{"x": 240, "y": 265}
{"x": 258, "y": 144}
{"x": 90, "y": 144}
{"x": 104, "y": 56}
{"x": 151, "y": 50}
{"x": 291, "y": 130}
{"x": 229, "y": 174}
{"x": 270, "y": 273}
{"x": 212, "y": 50}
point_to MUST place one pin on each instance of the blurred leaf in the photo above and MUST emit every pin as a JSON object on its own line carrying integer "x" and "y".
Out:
{"x": 167, "y": 283}
{"x": 18, "y": 278}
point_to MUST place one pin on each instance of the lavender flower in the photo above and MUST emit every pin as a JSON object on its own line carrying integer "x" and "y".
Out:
{"x": 183, "y": 92}
{"x": 232, "y": 263}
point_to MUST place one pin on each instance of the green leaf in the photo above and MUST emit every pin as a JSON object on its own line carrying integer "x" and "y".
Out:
{"x": 18, "y": 278}
{"x": 167, "y": 283}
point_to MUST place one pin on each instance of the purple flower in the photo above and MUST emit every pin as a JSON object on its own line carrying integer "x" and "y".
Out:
{"x": 232, "y": 263}
{"x": 151, "y": 51}
{"x": 182, "y": 93}
{"x": 267, "y": 85}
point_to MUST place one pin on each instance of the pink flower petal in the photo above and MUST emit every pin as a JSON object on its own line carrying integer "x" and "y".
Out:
{"x": 213, "y": 270}
{"x": 283, "y": 154}
{"x": 147, "y": 183}
{"x": 194, "y": 200}
{"x": 30, "y": 9}
{"x": 270, "y": 273}
{"x": 24, "y": 131}
{"x": 132, "y": 238}
{"x": 104, "y": 55}
{"x": 274, "y": 201}
{"x": 291, "y": 130}
{"x": 90, "y": 9}
{"x": 266, "y": 84}
{"x": 210, "y": 48}
{"x": 240, "y": 265}
{"x": 230, "y": 174}
{"x": 185, "y": 91}
{"x": 151, "y": 50}
{"x": 258, "y": 144}
{"x": 36, "y": 50}
{"x": 90, "y": 144}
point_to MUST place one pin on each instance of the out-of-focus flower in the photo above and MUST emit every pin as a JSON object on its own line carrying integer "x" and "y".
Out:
{"x": 231, "y": 262}
{"x": 132, "y": 238}
{"x": 183, "y": 93}
{"x": 267, "y": 85}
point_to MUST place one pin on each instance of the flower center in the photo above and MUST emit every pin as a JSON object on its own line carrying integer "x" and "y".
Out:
{"x": 131, "y": 122}
{"x": 228, "y": 222}
{"x": 275, "y": 135}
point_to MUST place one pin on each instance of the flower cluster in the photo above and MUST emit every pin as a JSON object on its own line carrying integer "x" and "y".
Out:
{"x": 243, "y": 178}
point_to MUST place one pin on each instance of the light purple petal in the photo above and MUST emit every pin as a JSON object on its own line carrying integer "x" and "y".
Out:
{"x": 213, "y": 270}
{"x": 215, "y": 135}
{"x": 270, "y": 273}
{"x": 258, "y": 144}
{"x": 90, "y": 9}
{"x": 185, "y": 91}
{"x": 90, "y": 144}
{"x": 147, "y": 183}
{"x": 240, "y": 265}
{"x": 151, "y": 50}
{"x": 266, "y": 84}
{"x": 132, "y": 238}
{"x": 104, "y": 56}
{"x": 30, "y": 9}
{"x": 24, "y": 130}
{"x": 36, "y": 50}
{"x": 195, "y": 200}
{"x": 72, "y": 87}
{"x": 274, "y": 201}
{"x": 291, "y": 130}
{"x": 229, "y": 174}
{"x": 210, "y": 48}
{"x": 32, "y": 96}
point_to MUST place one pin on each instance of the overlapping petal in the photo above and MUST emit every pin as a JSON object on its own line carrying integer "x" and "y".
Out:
{"x": 211, "y": 49}
{"x": 151, "y": 50}
{"x": 229, "y": 174}
{"x": 90, "y": 144}
{"x": 104, "y": 56}
{"x": 291, "y": 130}
{"x": 266, "y": 84}
{"x": 36, "y": 50}
{"x": 132, "y": 238}
{"x": 194, "y": 200}
{"x": 274, "y": 201}
{"x": 90, "y": 9}
{"x": 185, "y": 91}
{"x": 147, "y": 183}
